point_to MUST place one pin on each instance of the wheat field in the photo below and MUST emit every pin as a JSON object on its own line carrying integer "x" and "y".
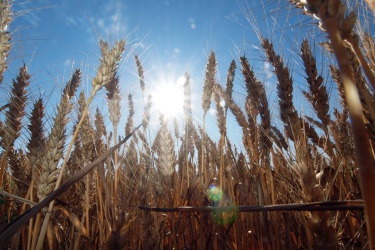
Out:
{"x": 300, "y": 182}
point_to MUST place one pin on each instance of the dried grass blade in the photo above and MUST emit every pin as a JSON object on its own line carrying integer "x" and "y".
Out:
{"x": 74, "y": 220}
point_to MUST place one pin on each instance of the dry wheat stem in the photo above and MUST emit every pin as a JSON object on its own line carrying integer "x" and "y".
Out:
{"x": 14, "y": 115}
{"x": 105, "y": 74}
{"x": 366, "y": 68}
{"x": 331, "y": 15}
{"x": 362, "y": 146}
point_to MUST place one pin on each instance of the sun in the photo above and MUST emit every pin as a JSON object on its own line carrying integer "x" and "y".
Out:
{"x": 168, "y": 98}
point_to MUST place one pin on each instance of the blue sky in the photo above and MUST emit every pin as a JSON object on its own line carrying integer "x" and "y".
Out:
{"x": 171, "y": 37}
{"x": 176, "y": 33}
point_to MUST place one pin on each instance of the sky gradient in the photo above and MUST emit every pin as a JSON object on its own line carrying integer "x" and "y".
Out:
{"x": 171, "y": 37}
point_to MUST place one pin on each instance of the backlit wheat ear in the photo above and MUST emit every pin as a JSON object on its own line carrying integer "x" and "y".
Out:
{"x": 21, "y": 171}
{"x": 54, "y": 150}
{"x": 86, "y": 132}
{"x": 369, "y": 48}
{"x": 140, "y": 73}
{"x": 5, "y": 19}
{"x": 229, "y": 84}
{"x": 187, "y": 100}
{"x": 50, "y": 176}
{"x": 147, "y": 113}
{"x": 130, "y": 122}
{"x": 36, "y": 144}
{"x": 166, "y": 155}
{"x": 257, "y": 104}
{"x": 209, "y": 82}
{"x": 278, "y": 138}
{"x": 109, "y": 64}
{"x": 318, "y": 95}
{"x": 221, "y": 120}
{"x": 288, "y": 113}
{"x": 14, "y": 115}
{"x": 71, "y": 87}
{"x": 16, "y": 109}
{"x": 113, "y": 100}
{"x": 241, "y": 120}
{"x": 56, "y": 141}
{"x": 335, "y": 73}
{"x": 221, "y": 123}
{"x": 339, "y": 28}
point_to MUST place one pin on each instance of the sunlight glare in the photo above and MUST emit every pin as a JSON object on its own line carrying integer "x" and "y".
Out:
{"x": 169, "y": 99}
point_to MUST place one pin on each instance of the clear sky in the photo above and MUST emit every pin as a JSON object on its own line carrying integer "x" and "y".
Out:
{"x": 171, "y": 37}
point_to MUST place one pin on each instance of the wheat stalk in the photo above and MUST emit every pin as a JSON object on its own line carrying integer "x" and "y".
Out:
{"x": 16, "y": 111}
{"x": 288, "y": 113}
{"x": 106, "y": 72}
{"x": 209, "y": 82}
{"x": 331, "y": 14}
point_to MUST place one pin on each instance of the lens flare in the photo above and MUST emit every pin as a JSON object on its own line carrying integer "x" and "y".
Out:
{"x": 216, "y": 195}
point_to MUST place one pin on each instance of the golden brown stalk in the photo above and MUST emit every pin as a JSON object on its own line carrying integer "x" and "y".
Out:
{"x": 36, "y": 147}
{"x": 86, "y": 132}
{"x": 166, "y": 155}
{"x": 251, "y": 106}
{"x": 106, "y": 72}
{"x": 147, "y": 113}
{"x": 335, "y": 73}
{"x": 113, "y": 101}
{"x": 365, "y": 94}
{"x": 140, "y": 73}
{"x": 209, "y": 82}
{"x": 188, "y": 127}
{"x": 257, "y": 104}
{"x": 71, "y": 86}
{"x": 37, "y": 140}
{"x": 99, "y": 124}
{"x": 318, "y": 96}
{"x": 86, "y": 135}
{"x": 220, "y": 120}
{"x": 14, "y": 115}
{"x": 230, "y": 79}
{"x": 331, "y": 14}
{"x": 5, "y": 19}
{"x": 130, "y": 122}
{"x": 278, "y": 138}
{"x": 241, "y": 120}
{"x": 21, "y": 171}
{"x": 369, "y": 48}
{"x": 288, "y": 113}
{"x": 54, "y": 152}
{"x": 221, "y": 123}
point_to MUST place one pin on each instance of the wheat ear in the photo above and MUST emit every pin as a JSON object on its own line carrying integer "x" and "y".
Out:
{"x": 55, "y": 146}
{"x": 209, "y": 83}
{"x": 288, "y": 113}
{"x": 105, "y": 74}
{"x": 16, "y": 111}
{"x": 331, "y": 15}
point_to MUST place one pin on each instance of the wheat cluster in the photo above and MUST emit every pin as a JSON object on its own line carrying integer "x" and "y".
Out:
{"x": 181, "y": 188}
